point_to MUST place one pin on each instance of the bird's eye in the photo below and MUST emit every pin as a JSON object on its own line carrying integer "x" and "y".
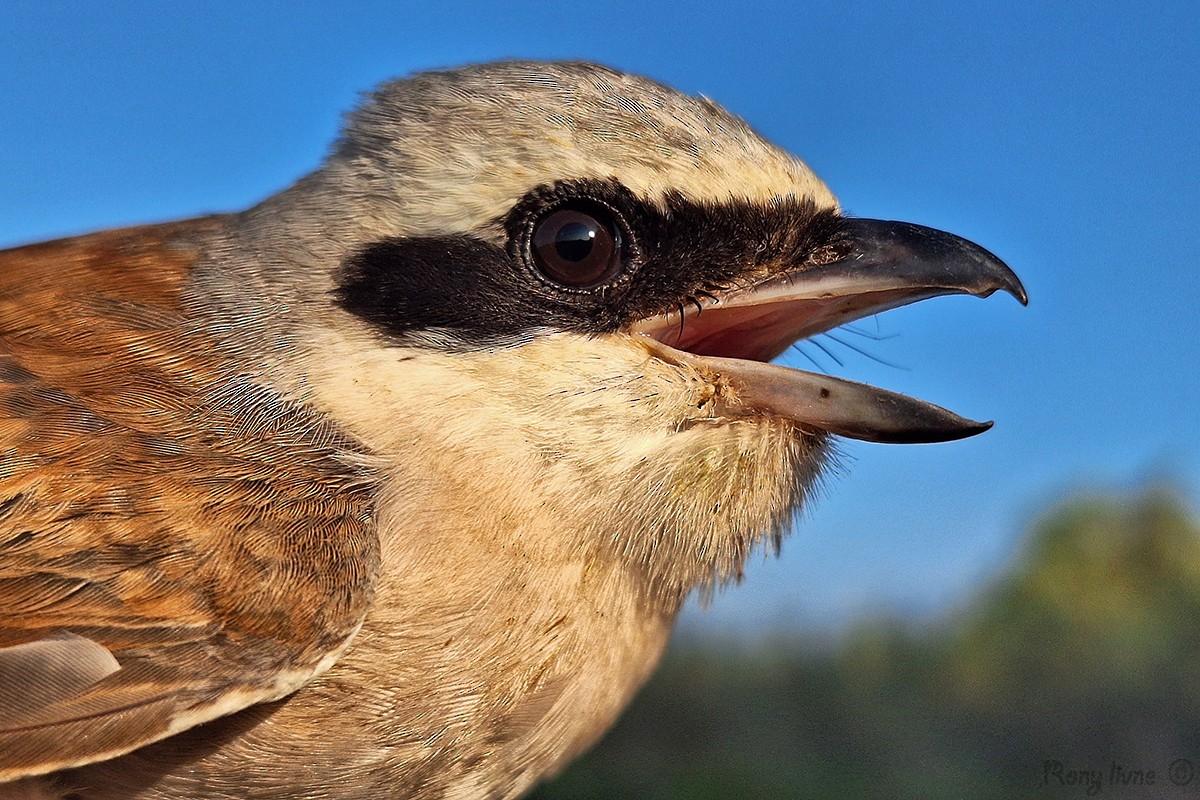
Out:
{"x": 576, "y": 248}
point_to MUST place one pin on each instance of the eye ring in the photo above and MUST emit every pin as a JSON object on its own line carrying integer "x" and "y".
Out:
{"x": 577, "y": 246}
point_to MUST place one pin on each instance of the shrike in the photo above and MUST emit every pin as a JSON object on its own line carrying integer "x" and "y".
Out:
{"x": 393, "y": 484}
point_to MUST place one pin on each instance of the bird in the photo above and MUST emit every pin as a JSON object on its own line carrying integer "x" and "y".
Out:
{"x": 393, "y": 484}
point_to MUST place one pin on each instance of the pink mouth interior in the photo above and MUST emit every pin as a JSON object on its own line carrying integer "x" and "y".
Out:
{"x": 756, "y": 333}
{"x": 762, "y": 331}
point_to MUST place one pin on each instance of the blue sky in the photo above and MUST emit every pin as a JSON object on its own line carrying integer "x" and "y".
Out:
{"x": 1062, "y": 137}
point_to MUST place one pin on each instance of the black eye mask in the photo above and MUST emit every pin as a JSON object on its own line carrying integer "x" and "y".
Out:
{"x": 584, "y": 256}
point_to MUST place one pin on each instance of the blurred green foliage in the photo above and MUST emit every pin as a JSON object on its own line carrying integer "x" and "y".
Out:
{"x": 1083, "y": 656}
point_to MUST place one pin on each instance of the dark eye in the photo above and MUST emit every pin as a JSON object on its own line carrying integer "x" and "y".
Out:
{"x": 576, "y": 248}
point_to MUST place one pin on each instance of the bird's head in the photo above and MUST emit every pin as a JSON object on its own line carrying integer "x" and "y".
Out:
{"x": 548, "y": 294}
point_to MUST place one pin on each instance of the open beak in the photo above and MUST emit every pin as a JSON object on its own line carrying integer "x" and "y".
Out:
{"x": 878, "y": 265}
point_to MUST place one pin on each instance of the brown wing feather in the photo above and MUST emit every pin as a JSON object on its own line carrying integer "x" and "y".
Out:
{"x": 213, "y": 536}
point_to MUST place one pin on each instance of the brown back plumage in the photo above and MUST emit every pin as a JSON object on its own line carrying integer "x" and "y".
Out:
{"x": 138, "y": 471}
